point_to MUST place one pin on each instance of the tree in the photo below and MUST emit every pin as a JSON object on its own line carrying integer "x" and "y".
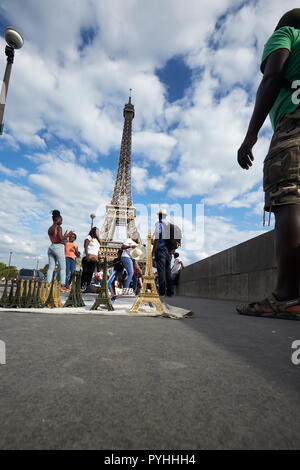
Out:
{"x": 45, "y": 269}
{"x": 3, "y": 269}
{"x": 11, "y": 272}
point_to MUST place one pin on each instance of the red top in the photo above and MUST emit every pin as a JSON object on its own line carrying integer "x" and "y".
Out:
{"x": 55, "y": 238}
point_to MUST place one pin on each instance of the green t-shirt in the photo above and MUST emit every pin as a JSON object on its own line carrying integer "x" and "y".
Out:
{"x": 284, "y": 38}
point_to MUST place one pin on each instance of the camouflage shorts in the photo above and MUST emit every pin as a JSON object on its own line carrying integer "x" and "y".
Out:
{"x": 282, "y": 164}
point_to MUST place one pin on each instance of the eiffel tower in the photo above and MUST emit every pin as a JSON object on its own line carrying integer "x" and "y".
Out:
{"x": 120, "y": 213}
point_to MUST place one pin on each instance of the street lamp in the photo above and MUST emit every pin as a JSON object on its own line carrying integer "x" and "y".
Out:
{"x": 10, "y": 253}
{"x": 92, "y": 216}
{"x": 14, "y": 41}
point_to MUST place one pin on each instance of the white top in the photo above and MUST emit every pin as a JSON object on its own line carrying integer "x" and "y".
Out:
{"x": 131, "y": 243}
{"x": 165, "y": 229}
{"x": 176, "y": 266}
{"x": 93, "y": 246}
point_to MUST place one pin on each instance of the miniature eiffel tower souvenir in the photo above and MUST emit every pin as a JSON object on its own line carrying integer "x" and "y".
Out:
{"x": 145, "y": 296}
{"x": 103, "y": 298}
{"x": 72, "y": 298}
{"x": 16, "y": 302}
{"x": 80, "y": 302}
{"x": 4, "y": 297}
{"x": 50, "y": 302}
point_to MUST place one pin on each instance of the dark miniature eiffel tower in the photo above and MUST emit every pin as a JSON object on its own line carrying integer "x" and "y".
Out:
{"x": 144, "y": 296}
{"x": 80, "y": 302}
{"x": 72, "y": 300}
{"x": 37, "y": 299}
{"x": 31, "y": 298}
{"x": 120, "y": 211}
{"x": 4, "y": 298}
{"x": 103, "y": 298}
{"x": 16, "y": 302}
{"x": 11, "y": 294}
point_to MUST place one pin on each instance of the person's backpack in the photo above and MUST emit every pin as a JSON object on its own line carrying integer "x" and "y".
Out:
{"x": 175, "y": 237}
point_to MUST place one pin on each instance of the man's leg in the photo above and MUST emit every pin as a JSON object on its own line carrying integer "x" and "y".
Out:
{"x": 161, "y": 270}
{"x": 287, "y": 245}
{"x": 170, "y": 287}
{"x": 68, "y": 271}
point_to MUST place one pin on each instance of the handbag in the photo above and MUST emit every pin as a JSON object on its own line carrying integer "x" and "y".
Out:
{"x": 92, "y": 258}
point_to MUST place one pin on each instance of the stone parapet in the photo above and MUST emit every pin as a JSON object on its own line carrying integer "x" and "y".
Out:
{"x": 245, "y": 272}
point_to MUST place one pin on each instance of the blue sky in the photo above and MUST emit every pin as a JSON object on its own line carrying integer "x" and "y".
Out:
{"x": 194, "y": 73}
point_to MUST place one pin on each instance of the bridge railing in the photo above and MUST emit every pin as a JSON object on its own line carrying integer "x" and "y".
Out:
{"x": 244, "y": 272}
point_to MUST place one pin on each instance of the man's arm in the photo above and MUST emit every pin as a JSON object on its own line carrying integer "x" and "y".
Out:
{"x": 266, "y": 95}
{"x": 155, "y": 244}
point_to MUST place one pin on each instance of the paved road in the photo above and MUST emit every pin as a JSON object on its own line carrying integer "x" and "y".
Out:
{"x": 215, "y": 381}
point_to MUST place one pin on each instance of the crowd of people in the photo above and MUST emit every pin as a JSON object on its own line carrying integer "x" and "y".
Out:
{"x": 125, "y": 276}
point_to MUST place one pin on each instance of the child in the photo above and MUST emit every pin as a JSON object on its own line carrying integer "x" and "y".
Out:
{"x": 71, "y": 252}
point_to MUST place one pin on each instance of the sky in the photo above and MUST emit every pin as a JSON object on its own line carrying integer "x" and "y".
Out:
{"x": 193, "y": 67}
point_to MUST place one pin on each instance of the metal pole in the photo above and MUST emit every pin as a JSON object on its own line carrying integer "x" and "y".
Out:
{"x": 10, "y": 253}
{"x": 9, "y": 51}
{"x": 92, "y": 216}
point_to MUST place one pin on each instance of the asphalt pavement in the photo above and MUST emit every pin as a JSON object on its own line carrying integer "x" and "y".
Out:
{"x": 215, "y": 381}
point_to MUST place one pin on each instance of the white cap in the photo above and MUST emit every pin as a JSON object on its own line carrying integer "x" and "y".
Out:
{"x": 162, "y": 212}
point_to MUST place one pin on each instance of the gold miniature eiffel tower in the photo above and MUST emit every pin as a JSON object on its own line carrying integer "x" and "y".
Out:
{"x": 144, "y": 296}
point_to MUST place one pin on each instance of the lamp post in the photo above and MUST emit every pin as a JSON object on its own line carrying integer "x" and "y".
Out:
{"x": 10, "y": 253}
{"x": 14, "y": 41}
{"x": 92, "y": 216}
{"x": 9, "y": 261}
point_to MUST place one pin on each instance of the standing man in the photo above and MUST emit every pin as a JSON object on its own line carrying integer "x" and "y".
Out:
{"x": 162, "y": 255}
{"x": 280, "y": 65}
{"x": 176, "y": 268}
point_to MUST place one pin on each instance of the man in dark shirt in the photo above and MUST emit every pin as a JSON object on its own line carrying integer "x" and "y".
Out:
{"x": 162, "y": 255}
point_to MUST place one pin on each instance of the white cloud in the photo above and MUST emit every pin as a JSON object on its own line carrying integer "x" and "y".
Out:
{"x": 142, "y": 181}
{"x": 58, "y": 91}
{"x": 18, "y": 173}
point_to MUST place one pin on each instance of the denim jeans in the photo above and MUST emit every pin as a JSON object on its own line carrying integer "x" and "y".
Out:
{"x": 163, "y": 265}
{"x": 56, "y": 254}
{"x": 128, "y": 265}
{"x": 70, "y": 268}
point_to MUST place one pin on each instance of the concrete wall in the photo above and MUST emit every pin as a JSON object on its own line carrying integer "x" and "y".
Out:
{"x": 244, "y": 272}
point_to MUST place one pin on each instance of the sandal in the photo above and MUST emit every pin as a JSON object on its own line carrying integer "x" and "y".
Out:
{"x": 271, "y": 307}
